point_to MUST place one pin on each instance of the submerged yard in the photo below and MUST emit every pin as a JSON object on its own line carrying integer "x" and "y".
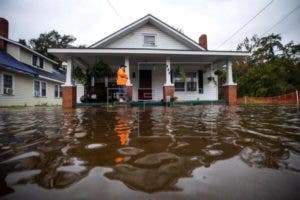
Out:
{"x": 196, "y": 152}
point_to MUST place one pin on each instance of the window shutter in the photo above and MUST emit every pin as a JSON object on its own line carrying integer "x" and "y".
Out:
{"x": 200, "y": 81}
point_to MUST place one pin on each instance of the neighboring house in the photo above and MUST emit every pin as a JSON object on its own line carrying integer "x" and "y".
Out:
{"x": 26, "y": 76}
{"x": 154, "y": 52}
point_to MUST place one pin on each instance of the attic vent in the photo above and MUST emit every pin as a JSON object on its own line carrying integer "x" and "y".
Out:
{"x": 149, "y": 40}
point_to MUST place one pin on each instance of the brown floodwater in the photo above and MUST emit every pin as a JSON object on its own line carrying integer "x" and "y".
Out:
{"x": 181, "y": 152}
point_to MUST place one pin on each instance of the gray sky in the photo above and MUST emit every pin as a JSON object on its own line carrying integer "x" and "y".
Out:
{"x": 91, "y": 20}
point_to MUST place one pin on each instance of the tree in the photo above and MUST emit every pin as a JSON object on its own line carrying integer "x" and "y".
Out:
{"x": 23, "y": 42}
{"x": 51, "y": 39}
{"x": 271, "y": 68}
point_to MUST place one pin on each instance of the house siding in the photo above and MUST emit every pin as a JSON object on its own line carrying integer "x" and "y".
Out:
{"x": 26, "y": 57}
{"x": 23, "y": 92}
{"x": 136, "y": 40}
{"x": 14, "y": 51}
{"x": 210, "y": 88}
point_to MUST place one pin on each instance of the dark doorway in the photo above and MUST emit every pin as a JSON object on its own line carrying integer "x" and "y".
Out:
{"x": 145, "y": 85}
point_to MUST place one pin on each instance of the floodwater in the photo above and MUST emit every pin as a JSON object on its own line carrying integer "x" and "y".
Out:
{"x": 184, "y": 152}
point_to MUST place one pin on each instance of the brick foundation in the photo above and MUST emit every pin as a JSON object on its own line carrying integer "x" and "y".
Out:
{"x": 68, "y": 96}
{"x": 129, "y": 93}
{"x": 230, "y": 94}
{"x": 168, "y": 91}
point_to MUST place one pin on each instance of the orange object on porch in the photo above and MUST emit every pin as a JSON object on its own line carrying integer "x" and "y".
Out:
{"x": 121, "y": 77}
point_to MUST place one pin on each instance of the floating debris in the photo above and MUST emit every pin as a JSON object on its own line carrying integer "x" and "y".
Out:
{"x": 95, "y": 146}
{"x": 130, "y": 151}
{"x": 80, "y": 134}
{"x": 22, "y": 156}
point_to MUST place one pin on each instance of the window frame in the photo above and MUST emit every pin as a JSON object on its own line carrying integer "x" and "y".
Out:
{"x": 59, "y": 91}
{"x": 39, "y": 90}
{"x": 35, "y": 61}
{"x": 186, "y": 82}
{"x": 41, "y": 63}
{"x": 2, "y": 83}
{"x": 41, "y": 86}
{"x": 38, "y": 61}
{"x": 193, "y": 80}
{"x": 40, "y": 95}
{"x": 149, "y": 35}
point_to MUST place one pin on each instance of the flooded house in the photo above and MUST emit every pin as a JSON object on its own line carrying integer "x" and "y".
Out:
{"x": 162, "y": 64}
{"x": 26, "y": 76}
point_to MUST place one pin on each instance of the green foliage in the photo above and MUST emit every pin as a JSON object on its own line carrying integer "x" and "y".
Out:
{"x": 79, "y": 75}
{"x": 180, "y": 73}
{"x": 51, "y": 39}
{"x": 270, "y": 70}
{"x": 99, "y": 70}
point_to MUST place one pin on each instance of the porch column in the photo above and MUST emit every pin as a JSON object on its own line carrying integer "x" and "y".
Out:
{"x": 128, "y": 83}
{"x": 168, "y": 88}
{"x": 230, "y": 88}
{"x": 69, "y": 89}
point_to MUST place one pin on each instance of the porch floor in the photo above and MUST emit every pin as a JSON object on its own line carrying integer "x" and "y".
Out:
{"x": 151, "y": 103}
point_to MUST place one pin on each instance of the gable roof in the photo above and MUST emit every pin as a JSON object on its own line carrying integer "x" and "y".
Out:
{"x": 156, "y": 22}
{"x": 28, "y": 49}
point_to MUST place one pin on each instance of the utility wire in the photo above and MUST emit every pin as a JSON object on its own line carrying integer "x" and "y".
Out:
{"x": 112, "y": 7}
{"x": 246, "y": 24}
{"x": 281, "y": 20}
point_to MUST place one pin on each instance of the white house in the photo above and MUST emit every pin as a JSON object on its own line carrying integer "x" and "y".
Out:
{"x": 153, "y": 52}
{"x": 26, "y": 77}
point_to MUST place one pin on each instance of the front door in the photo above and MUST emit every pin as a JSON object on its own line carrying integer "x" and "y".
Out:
{"x": 145, "y": 85}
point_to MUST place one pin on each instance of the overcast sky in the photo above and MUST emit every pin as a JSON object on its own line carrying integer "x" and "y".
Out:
{"x": 91, "y": 20}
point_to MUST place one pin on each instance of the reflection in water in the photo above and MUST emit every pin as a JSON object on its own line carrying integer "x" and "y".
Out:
{"x": 149, "y": 150}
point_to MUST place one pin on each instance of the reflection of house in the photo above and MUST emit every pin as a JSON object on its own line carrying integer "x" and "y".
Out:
{"x": 27, "y": 77}
{"x": 154, "y": 52}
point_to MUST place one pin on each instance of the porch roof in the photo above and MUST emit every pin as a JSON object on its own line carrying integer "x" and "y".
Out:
{"x": 212, "y": 56}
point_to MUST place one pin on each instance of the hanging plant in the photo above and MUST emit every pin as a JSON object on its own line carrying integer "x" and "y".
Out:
{"x": 211, "y": 78}
{"x": 100, "y": 70}
{"x": 202, "y": 68}
{"x": 80, "y": 76}
{"x": 180, "y": 73}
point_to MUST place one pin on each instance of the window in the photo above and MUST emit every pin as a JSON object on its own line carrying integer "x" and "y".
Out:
{"x": 191, "y": 83}
{"x": 34, "y": 60}
{"x": 149, "y": 40}
{"x": 40, "y": 89}
{"x": 43, "y": 89}
{"x": 188, "y": 84}
{"x": 41, "y": 63}
{"x": 37, "y": 61}
{"x": 179, "y": 83}
{"x": 8, "y": 84}
{"x": 57, "y": 91}
{"x": 36, "y": 88}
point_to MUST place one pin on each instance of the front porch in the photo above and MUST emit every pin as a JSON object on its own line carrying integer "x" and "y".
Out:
{"x": 152, "y": 77}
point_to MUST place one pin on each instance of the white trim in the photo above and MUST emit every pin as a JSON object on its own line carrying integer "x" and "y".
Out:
{"x": 28, "y": 49}
{"x": 50, "y": 79}
{"x": 2, "y": 83}
{"x": 149, "y": 51}
{"x": 140, "y": 22}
